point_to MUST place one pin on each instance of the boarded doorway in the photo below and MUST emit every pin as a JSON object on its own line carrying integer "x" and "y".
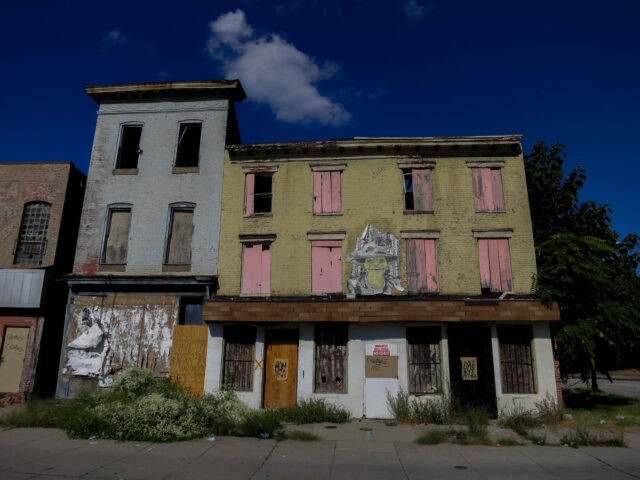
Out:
{"x": 14, "y": 348}
{"x": 471, "y": 367}
{"x": 281, "y": 369}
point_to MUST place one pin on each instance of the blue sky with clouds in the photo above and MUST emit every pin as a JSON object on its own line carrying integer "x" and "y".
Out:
{"x": 551, "y": 70}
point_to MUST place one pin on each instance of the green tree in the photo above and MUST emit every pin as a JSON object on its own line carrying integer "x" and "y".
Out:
{"x": 583, "y": 267}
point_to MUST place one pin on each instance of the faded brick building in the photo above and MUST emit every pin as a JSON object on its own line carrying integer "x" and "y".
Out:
{"x": 353, "y": 268}
{"x": 40, "y": 207}
{"x": 147, "y": 251}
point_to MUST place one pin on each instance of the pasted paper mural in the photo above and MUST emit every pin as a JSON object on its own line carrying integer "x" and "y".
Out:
{"x": 374, "y": 263}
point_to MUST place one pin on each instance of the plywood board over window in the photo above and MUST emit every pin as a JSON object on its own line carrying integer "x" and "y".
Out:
{"x": 179, "y": 242}
{"x": 117, "y": 237}
{"x": 516, "y": 360}
{"x": 331, "y": 358}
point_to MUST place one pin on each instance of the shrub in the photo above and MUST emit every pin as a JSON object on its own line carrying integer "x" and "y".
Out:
{"x": 257, "y": 423}
{"x": 434, "y": 437}
{"x": 437, "y": 410}
{"x": 315, "y": 411}
{"x": 581, "y": 437}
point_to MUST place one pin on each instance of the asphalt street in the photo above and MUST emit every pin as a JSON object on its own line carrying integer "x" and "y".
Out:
{"x": 621, "y": 386}
{"x": 47, "y": 454}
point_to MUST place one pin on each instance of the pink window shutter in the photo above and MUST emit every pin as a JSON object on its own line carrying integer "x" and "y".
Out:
{"x": 251, "y": 265}
{"x": 483, "y": 257}
{"x": 431, "y": 271}
{"x": 504, "y": 264}
{"x": 326, "y": 267}
{"x": 326, "y": 191}
{"x": 487, "y": 185}
{"x": 478, "y": 190}
{"x": 336, "y": 192}
{"x": 412, "y": 278}
{"x": 494, "y": 265}
{"x": 249, "y": 189}
{"x": 422, "y": 195}
{"x": 497, "y": 201}
{"x": 335, "y": 280}
{"x": 317, "y": 192}
{"x": 421, "y": 267}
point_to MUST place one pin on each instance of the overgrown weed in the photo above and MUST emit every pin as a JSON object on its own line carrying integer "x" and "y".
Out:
{"x": 436, "y": 410}
{"x": 580, "y": 437}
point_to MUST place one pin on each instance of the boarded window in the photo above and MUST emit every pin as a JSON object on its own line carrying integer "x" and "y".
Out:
{"x": 256, "y": 269}
{"x": 129, "y": 146}
{"x": 487, "y": 189}
{"x": 418, "y": 196}
{"x": 179, "y": 241}
{"x": 258, "y": 193}
{"x": 495, "y": 267}
{"x": 516, "y": 361}
{"x": 188, "y": 145}
{"x": 326, "y": 266}
{"x": 331, "y": 358}
{"x": 424, "y": 359}
{"x": 117, "y": 237}
{"x": 422, "y": 273}
{"x": 239, "y": 343}
{"x": 31, "y": 244}
{"x": 327, "y": 194}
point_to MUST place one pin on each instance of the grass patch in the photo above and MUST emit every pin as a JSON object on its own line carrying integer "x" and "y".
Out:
{"x": 509, "y": 442}
{"x": 581, "y": 437}
{"x": 298, "y": 435}
{"x": 589, "y": 409}
{"x": 437, "y": 411}
{"x": 142, "y": 408}
{"x": 434, "y": 437}
{"x": 315, "y": 411}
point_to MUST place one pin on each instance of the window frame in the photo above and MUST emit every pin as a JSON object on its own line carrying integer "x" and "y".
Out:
{"x": 330, "y": 244}
{"x": 438, "y": 365}
{"x": 525, "y": 381}
{"x": 187, "y": 168}
{"x": 249, "y": 190}
{"x": 477, "y": 165}
{"x": 343, "y": 387}
{"x": 44, "y": 241}
{"x": 117, "y": 169}
{"x": 252, "y": 241}
{"x": 505, "y": 235}
{"x": 318, "y": 170}
{"x": 178, "y": 207}
{"x": 410, "y": 236}
{"x": 408, "y": 168}
{"x": 115, "y": 207}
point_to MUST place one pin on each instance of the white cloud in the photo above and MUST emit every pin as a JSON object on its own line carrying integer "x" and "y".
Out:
{"x": 414, "y": 11}
{"x": 115, "y": 37}
{"x": 274, "y": 72}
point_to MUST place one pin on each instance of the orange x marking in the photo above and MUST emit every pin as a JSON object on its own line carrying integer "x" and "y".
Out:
{"x": 258, "y": 364}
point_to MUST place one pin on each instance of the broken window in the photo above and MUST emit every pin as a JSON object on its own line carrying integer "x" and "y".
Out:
{"x": 179, "y": 240}
{"x": 188, "y": 145}
{"x": 418, "y": 196}
{"x": 327, "y": 194}
{"x": 495, "y": 267}
{"x": 422, "y": 272}
{"x": 424, "y": 359}
{"x": 129, "y": 146}
{"x": 258, "y": 193}
{"x": 487, "y": 189}
{"x": 516, "y": 361}
{"x": 31, "y": 244}
{"x": 331, "y": 358}
{"x": 239, "y": 344}
{"x": 190, "y": 311}
{"x": 117, "y": 236}
{"x": 256, "y": 269}
{"x": 326, "y": 266}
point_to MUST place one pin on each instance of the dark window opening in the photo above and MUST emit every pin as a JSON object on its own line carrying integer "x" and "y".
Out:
{"x": 188, "y": 145}
{"x": 331, "y": 358}
{"x": 191, "y": 311}
{"x": 129, "y": 146}
{"x": 31, "y": 244}
{"x": 262, "y": 194}
{"x": 238, "y": 356}
{"x": 516, "y": 361}
{"x": 408, "y": 190}
{"x": 424, "y": 360}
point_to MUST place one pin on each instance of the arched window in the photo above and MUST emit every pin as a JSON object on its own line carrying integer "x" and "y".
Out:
{"x": 32, "y": 241}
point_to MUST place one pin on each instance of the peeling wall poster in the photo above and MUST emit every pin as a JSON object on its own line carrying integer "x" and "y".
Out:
{"x": 280, "y": 369}
{"x": 374, "y": 263}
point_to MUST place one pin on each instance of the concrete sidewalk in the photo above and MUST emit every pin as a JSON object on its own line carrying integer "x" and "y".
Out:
{"x": 344, "y": 453}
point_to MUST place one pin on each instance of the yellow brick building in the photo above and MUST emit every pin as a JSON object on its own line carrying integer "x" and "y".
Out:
{"x": 351, "y": 267}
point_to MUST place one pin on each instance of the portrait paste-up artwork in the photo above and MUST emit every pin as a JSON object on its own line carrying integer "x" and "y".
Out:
{"x": 374, "y": 263}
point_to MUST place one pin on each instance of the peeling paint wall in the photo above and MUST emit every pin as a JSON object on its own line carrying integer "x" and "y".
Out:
{"x": 109, "y": 334}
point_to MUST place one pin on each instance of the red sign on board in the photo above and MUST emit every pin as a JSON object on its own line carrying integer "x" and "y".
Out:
{"x": 381, "y": 350}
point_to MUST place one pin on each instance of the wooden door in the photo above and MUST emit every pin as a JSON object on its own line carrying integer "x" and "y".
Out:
{"x": 281, "y": 369}
{"x": 14, "y": 348}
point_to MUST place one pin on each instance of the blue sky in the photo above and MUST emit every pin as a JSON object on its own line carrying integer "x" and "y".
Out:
{"x": 553, "y": 71}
